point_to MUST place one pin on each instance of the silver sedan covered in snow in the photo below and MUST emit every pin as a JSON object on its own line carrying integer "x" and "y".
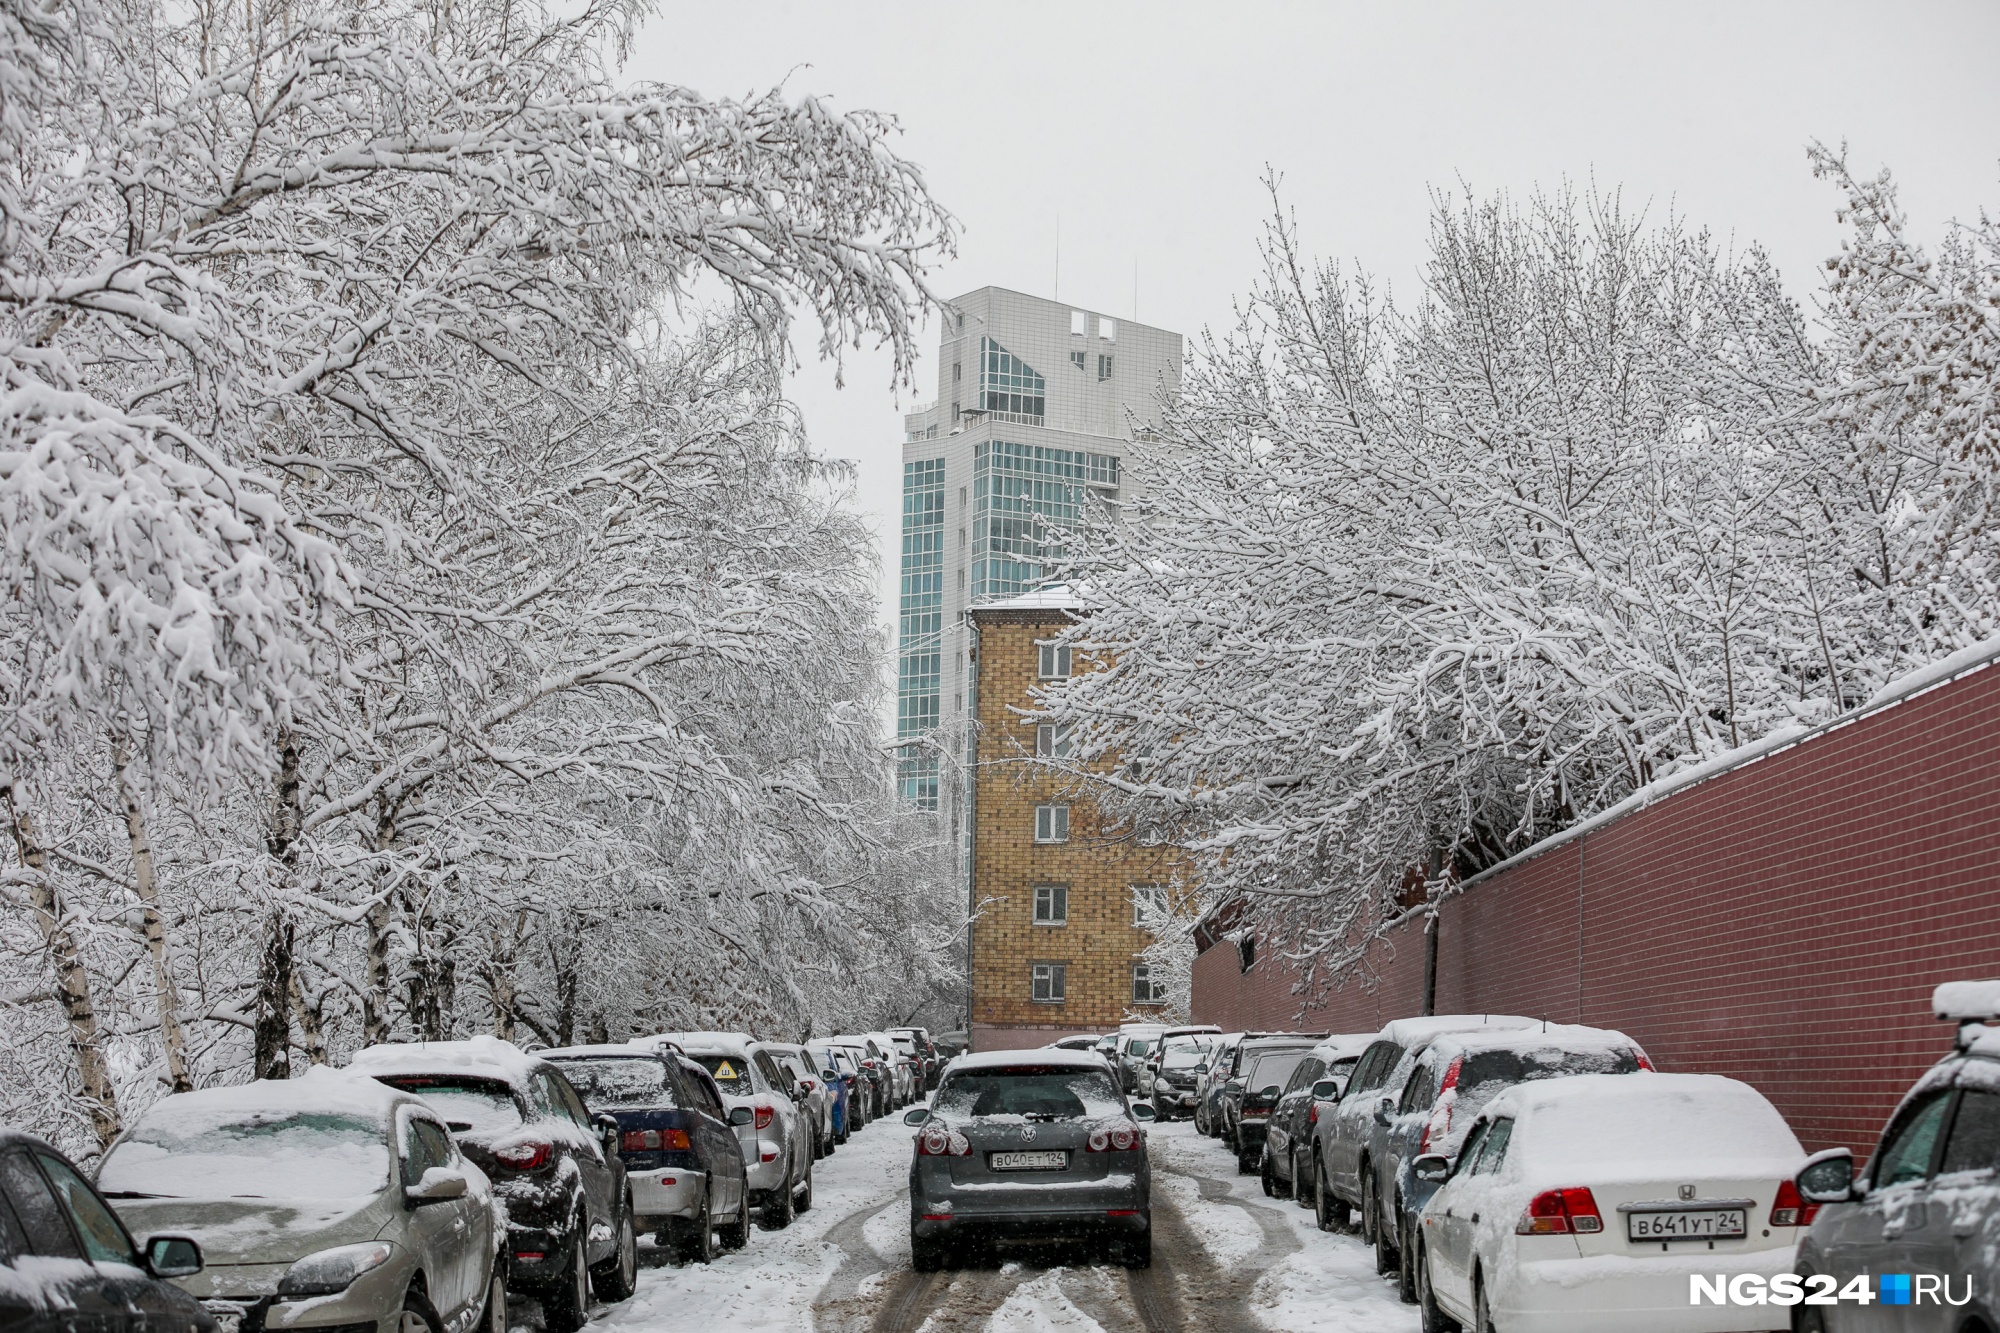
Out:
{"x": 1036, "y": 1145}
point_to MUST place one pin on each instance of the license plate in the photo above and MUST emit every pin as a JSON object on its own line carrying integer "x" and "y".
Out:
{"x": 1028, "y": 1161}
{"x": 1688, "y": 1224}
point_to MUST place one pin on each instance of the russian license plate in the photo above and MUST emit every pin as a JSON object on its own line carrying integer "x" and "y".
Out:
{"x": 1028, "y": 1161}
{"x": 1687, "y": 1224}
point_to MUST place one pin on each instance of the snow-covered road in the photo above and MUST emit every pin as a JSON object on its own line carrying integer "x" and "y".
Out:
{"x": 1226, "y": 1259}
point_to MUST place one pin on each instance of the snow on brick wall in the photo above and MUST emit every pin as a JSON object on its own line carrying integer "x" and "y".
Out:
{"x": 1783, "y": 922}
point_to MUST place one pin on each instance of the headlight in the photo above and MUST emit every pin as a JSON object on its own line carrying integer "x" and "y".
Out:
{"x": 333, "y": 1270}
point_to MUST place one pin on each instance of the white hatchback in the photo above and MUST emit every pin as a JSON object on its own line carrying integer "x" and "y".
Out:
{"x": 1589, "y": 1203}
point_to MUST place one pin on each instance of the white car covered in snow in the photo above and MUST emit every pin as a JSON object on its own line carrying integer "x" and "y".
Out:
{"x": 1588, "y": 1203}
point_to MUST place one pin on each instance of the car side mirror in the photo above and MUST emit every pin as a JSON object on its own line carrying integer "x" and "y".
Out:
{"x": 606, "y": 1124}
{"x": 1326, "y": 1090}
{"x": 1383, "y": 1109}
{"x": 829, "y": 1075}
{"x": 1142, "y": 1112}
{"x": 437, "y": 1184}
{"x": 1232, "y": 1086}
{"x": 916, "y": 1115}
{"x": 172, "y": 1256}
{"x": 1827, "y": 1177}
{"x": 740, "y": 1115}
{"x": 1432, "y": 1168}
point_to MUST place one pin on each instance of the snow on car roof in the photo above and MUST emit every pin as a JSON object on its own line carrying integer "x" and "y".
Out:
{"x": 1967, "y": 1000}
{"x": 1343, "y": 1045}
{"x": 709, "y": 1043}
{"x": 485, "y": 1056}
{"x": 1591, "y": 1127}
{"x": 1551, "y": 1036}
{"x": 1404, "y": 1031}
{"x": 1041, "y": 1057}
{"x": 318, "y": 1089}
{"x": 625, "y": 1048}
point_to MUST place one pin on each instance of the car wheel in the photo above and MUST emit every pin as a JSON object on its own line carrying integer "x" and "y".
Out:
{"x": 1267, "y": 1172}
{"x": 1134, "y": 1251}
{"x": 1302, "y": 1184}
{"x": 737, "y": 1234}
{"x": 417, "y": 1316}
{"x": 566, "y": 1306}
{"x": 1200, "y": 1122}
{"x": 1434, "y": 1319}
{"x": 1482, "y": 1309}
{"x": 1406, "y": 1267}
{"x": 696, "y": 1242}
{"x": 927, "y": 1254}
{"x": 1330, "y": 1211}
{"x": 779, "y": 1209}
{"x": 806, "y": 1192}
{"x": 1386, "y": 1259}
{"x": 618, "y": 1277}
{"x": 1246, "y": 1165}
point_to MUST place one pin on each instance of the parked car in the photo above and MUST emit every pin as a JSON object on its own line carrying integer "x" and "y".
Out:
{"x": 1346, "y": 1142}
{"x": 67, "y": 1261}
{"x": 1172, "y": 1072}
{"x": 927, "y": 1053}
{"x": 908, "y": 1078}
{"x": 1928, "y": 1205}
{"x": 839, "y": 1090}
{"x": 682, "y": 1162}
{"x": 770, "y": 1128}
{"x": 321, "y": 1202}
{"x": 1082, "y": 1041}
{"x": 1451, "y": 1079}
{"x": 1264, "y": 1066}
{"x": 1034, "y": 1144}
{"x": 809, "y": 1090}
{"x": 1176, "y": 1037}
{"x": 1314, "y": 1088}
{"x": 1588, "y": 1203}
{"x": 1209, "y": 1079}
{"x": 1132, "y": 1044}
{"x": 878, "y": 1070}
{"x": 554, "y": 1166}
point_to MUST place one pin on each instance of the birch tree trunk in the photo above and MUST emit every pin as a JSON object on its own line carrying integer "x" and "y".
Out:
{"x": 166, "y": 995}
{"x": 72, "y": 981}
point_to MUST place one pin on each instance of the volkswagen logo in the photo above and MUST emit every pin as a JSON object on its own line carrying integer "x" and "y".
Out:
{"x": 1028, "y": 1136}
{"x": 1687, "y": 1192}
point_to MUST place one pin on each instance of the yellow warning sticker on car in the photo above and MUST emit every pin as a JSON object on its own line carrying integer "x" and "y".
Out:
{"x": 725, "y": 1070}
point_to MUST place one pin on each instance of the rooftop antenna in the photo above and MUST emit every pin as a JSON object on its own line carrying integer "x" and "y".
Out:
{"x": 1058, "y": 292}
{"x": 1135, "y": 291}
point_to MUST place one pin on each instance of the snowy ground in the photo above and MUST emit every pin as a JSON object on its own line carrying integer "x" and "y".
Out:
{"x": 1226, "y": 1258}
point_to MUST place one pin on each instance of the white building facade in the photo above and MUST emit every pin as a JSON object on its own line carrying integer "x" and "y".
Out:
{"x": 1037, "y": 403}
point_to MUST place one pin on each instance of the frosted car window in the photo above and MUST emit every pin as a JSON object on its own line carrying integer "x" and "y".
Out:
{"x": 36, "y": 1206}
{"x": 1974, "y": 1144}
{"x": 484, "y": 1106}
{"x": 1486, "y": 1074}
{"x": 1139, "y": 1047}
{"x": 1270, "y": 1070}
{"x": 421, "y": 1151}
{"x": 1493, "y": 1152}
{"x": 1306, "y": 1074}
{"x": 1906, "y": 1156}
{"x": 731, "y": 1073}
{"x": 103, "y": 1238}
{"x": 1468, "y": 1154}
{"x": 620, "y": 1082}
{"x": 250, "y": 1154}
{"x": 1038, "y": 1091}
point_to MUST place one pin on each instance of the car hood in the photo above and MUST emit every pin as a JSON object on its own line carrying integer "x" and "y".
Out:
{"x": 263, "y": 1231}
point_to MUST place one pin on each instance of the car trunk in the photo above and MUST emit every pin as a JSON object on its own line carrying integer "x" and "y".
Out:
{"x": 1013, "y": 1137}
{"x": 1684, "y": 1225}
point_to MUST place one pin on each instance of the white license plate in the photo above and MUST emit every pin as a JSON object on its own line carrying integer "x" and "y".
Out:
{"x": 1028, "y": 1161}
{"x": 1689, "y": 1224}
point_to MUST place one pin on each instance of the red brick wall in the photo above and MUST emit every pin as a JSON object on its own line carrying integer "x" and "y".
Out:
{"x": 1783, "y": 922}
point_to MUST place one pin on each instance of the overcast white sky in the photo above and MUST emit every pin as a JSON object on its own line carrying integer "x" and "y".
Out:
{"x": 1147, "y": 128}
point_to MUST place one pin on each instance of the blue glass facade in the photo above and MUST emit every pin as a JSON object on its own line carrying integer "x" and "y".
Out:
{"x": 1018, "y": 490}
{"x": 1009, "y": 387}
{"x": 920, "y": 631}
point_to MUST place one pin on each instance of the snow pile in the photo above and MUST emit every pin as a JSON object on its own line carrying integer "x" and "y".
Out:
{"x": 1601, "y": 1127}
{"x": 1967, "y": 1000}
{"x": 479, "y": 1057}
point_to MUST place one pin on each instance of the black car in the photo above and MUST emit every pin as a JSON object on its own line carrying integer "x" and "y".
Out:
{"x": 1263, "y": 1066}
{"x": 682, "y": 1161}
{"x": 67, "y": 1264}
{"x": 555, "y": 1166}
{"x": 1314, "y": 1087}
{"x": 1927, "y": 1209}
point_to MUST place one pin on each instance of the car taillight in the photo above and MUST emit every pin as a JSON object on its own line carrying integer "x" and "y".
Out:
{"x": 869, "y": 1064}
{"x": 1646, "y": 1062}
{"x": 1439, "y": 1123}
{"x": 937, "y": 1141}
{"x": 765, "y": 1115}
{"x": 808, "y": 1084}
{"x": 524, "y": 1156}
{"x": 1789, "y": 1210}
{"x": 1312, "y": 1114}
{"x": 654, "y": 1140}
{"x": 1121, "y": 1137}
{"x": 1559, "y": 1213}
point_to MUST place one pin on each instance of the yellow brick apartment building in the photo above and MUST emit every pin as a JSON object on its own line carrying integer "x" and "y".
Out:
{"x": 1061, "y": 900}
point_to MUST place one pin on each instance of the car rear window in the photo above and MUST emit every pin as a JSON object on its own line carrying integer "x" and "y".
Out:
{"x": 1058, "y": 1092}
{"x": 480, "y": 1106}
{"x": 619, "y": 1083}
{"x": 1270, "y": 1070}
{"x": 731, "y": 1073}
{"x": 1139, "y": 1046}
{"x": 249, "y": 1154}
{"x": 1487, "y": 1074}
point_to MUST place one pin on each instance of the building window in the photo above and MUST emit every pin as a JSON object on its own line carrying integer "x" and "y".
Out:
{"x": 1246, "y": 953}
{"x": 1009, "y": 387}
{"x": 1019, "y": 491}
{"x": 1149, "y": 906}
{"x": 1107, "y": 328}
{"x": 1051, "y": 823}
{"x": 1076, "y": 318}
{"x": 1077, "y": 359}
{"x": 1103, "y": 369}
{"x": 919, "y": 634}
{"x": 1054, "y": 661}
{"x": 1051, "y": 904}
{"x": 1147, "y": 986}
{"x": 957, "y": 372}
{"x": 1052, "y": 740}
{"x": 1045, "y": 982}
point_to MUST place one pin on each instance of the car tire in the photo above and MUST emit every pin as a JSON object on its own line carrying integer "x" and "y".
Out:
{"x": 1303, "y": 1193}
{"x": 1330, "y": 1211}
{"x": 780, "y": 1209}
{"x": 927, "y": 1254}
{"x": 1134, "y": 1251}
{"x": 695, "y": 1241}
{"x": 566, "y": 1305}
{"x": 493, "y": 1319}
{"x": 1482, "y": 1309}
{"x": 1406, "y": 1267}
{"x": 805, "y": 1202}
{"x": 737, "y": 1234}
{"x": 1267, "y": 1171}
{"x": 417, "y": 1316}
{"x": 1200, "y": 1122}
{"x": 1434, "y": 1319}
{"x": 618, "y": 1277}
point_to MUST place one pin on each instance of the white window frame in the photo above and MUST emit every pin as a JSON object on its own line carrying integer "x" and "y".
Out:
{"x": 1052, "y": 979}
{"x": 1051, "y": 905}
{"x": 1051, "y": 824}
{"x": 1156, "y": 987}
{"x": 1076, "y": 323}
{"x": 1149, "y": 906}
{"x": 1053, "y": 660}
{"x": 1052, "y": 740}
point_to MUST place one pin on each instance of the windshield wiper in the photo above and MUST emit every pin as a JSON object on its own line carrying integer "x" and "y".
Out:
{"x": 134, "y": 1194}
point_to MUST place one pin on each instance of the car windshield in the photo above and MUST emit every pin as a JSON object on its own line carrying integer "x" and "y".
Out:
{"x": 619, "y": 1081}
{"x": 732, "y": 1073}
{"x": 1139, "y": 1046}
{"x": 249, "y": 1154}
{"x": 1038, "y": 1092}
{"x": 1270, "y": 1070}
{"x": 481, "y": 1106}
{"x": 1486, "y": 1074}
